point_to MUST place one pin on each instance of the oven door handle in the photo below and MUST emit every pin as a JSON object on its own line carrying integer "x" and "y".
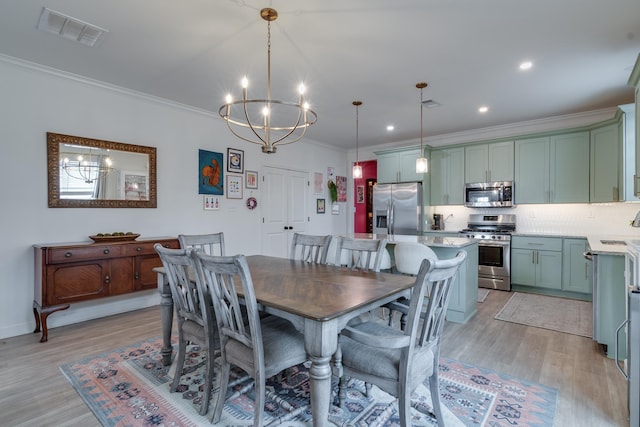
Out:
{"x": 494, "y": 245}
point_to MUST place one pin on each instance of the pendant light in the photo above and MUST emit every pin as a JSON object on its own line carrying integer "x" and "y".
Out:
{"x": 422, "y": 165}
{"x": 357, "y": 169}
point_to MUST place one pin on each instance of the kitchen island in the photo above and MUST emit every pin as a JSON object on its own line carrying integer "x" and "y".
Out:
{"x": 464, "y": 294}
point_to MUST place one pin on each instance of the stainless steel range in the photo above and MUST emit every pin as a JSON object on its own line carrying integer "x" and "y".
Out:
{"x": 493, "y": 233}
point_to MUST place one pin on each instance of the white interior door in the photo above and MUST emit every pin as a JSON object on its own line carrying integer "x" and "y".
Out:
{"x": 285, "y": 209}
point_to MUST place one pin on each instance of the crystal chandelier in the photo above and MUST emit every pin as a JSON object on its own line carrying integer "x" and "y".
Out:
{"x": 87, "y": 168}
{"x": 422, "y": 165}
{"x": 357, "y": 169}
{"x": 267, "y": 122}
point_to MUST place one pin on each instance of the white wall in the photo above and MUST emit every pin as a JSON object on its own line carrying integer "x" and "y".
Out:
{"x": 35, "y": 101}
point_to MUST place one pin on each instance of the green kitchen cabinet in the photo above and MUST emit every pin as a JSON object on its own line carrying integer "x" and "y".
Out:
{"x": 576, "y": 270}
{"x": 609, "y": 301}
{"x": 489, "y": 162}
{"x": 447, "y": 176}
{"x": 634, "y": 81}
{"x": 552, "y": 169}
{"x": 536, "y": 262}
{"x": 531, "y": 170}
{"x": 569, "y": 168}
{"x": 398, "y": 166}
{"x": 606, "y": 164}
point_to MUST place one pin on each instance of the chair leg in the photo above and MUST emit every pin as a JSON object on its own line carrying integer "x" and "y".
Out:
{"x": 225, "y": 370}
{"x": 435, "y": 397}
{"x": 261, "y": 392}
{"x": 404, "y": 407}
{"x": 208, "y": 379}
{"x": 182, "y": 345}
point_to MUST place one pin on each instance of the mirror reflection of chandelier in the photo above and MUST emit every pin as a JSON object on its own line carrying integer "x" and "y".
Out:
{"x": 86, "y": 167}
{"x": 267, "y": 122}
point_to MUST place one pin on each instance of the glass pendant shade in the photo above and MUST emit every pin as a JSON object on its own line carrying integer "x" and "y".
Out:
{"x": 357, "y": 171}
{"x": 422, "y": 166}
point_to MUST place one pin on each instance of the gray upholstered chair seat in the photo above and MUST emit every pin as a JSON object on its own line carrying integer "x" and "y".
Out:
{"x": 283, "y": 347}
{"x": 382, "y": 361}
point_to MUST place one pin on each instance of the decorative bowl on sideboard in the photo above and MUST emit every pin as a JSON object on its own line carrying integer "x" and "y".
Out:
{"x": 117, "y": 238}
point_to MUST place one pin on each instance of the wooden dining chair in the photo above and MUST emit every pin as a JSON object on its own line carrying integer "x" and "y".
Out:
{"x": 361, "y": 254}
{"x": 260, "y": 347}
{"x": 408, "y": 258}
{"x": 399, "y": 361}
{"x": 194, "y": 315}
{"x": 212, "y": 244}
{"x": 310, "y": 248}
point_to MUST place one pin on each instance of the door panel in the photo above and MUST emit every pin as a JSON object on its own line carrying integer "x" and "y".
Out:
{"x": 285, "y": 209}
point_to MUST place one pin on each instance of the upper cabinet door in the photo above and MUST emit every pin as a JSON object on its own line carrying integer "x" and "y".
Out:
{"x": 489, "y": 162}
{"x": 606, "y": 161}
{"x": 569, "y": 168}
{"x": 501, "y": 161}
{"x": 531, "y": 183}
{"x": 398, "y": 166}
{"x": 476, "y": 163}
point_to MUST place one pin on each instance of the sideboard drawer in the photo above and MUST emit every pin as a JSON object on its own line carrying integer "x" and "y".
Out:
{"x": 146, "y": 248}
{"x": 79, "y": 253}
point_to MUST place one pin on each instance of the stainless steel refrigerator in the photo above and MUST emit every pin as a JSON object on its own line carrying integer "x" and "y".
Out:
{"x": 397, "y": 208}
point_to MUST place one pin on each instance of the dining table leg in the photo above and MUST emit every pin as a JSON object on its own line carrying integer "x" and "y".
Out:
{"x": 166, "y": 313}
{"x": 321, "y": 342}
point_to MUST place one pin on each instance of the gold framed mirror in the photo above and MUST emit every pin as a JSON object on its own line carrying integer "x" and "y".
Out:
{"x": 91, "y": 173}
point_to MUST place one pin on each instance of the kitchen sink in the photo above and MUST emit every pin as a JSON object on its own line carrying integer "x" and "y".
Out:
{"x": 612, "y": 242}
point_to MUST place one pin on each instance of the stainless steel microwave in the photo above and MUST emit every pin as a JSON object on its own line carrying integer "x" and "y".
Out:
{"x": 498, "y": 194}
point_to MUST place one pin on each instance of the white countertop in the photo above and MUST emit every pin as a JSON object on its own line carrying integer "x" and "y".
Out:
{"x": 616, "y": 247}
{"x": 436, "y": 241}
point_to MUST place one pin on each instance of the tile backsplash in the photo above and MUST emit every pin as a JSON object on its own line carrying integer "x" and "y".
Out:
{"x": 578, "y": 219}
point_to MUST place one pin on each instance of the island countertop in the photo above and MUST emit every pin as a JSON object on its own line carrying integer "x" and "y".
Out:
{"x": 435, "y": 241}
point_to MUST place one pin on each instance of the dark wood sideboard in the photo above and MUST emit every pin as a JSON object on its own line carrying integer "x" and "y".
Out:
{"x": 72, "y": 272}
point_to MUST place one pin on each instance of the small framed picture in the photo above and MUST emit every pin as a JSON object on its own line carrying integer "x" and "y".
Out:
{"x": 251, "y": 179}
{"x": 335, "y": 208}
{"x": 320, "y": 206}
{"x": 360, "y": 194}
{"x": 235, "y": 160}
{"x": 234, "y": 187}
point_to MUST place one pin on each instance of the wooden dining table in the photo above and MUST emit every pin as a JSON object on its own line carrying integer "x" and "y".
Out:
{"x": 318, "y": 299}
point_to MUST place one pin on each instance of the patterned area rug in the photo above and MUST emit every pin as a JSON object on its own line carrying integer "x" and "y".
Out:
{"x": 130, "y": 387}
{"x": 557, "y": 314}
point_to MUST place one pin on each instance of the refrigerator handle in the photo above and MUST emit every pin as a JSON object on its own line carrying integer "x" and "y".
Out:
{"x": 622, "y": 325}
{"x": 391, "y": 217}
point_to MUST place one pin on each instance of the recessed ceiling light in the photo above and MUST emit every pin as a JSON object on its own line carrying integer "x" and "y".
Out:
{"x": 390, "y": 128}
{"x": 526, "y": 65}
{"x": 483, "y": 109}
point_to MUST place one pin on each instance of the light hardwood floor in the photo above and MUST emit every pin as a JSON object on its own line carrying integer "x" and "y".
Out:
{"x": 591, "y": 392}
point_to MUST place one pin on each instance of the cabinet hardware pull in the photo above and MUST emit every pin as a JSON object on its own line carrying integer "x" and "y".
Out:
{"x": 138, "y": 249}
{"x": 107, "y": 279}
{"x": 136, "y": 275}
{"x": 106, "y": 251}
{"x": 68, "y": 255}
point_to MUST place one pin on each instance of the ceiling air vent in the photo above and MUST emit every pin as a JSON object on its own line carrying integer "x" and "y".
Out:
{"x": 430, "y": 103}
{"x": 70, "y": 28}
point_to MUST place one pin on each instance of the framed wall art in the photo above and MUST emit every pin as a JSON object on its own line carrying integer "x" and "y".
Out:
{"x": 318, "y": 182}
{"x": 235, "y": 160}
{"x": 251, "y": 179}
{"x": 320, "y": 206}
{"x": 210, "y": 173}
{"x": 360, "y": 194}
{"x": 341, "y": 183}
{"x": 234, "y": 187}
